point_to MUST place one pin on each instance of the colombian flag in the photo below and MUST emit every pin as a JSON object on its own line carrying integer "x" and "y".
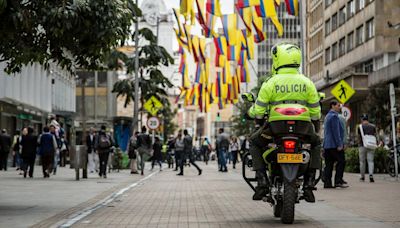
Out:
{"x": 267, "y": 9}
{"x": 213, "y": 7}
{"x": 246, "y": 15}
{"x": 229, "y": 23}
{"x": 292, "y": 7}
{"x": 247, "y": 3}
{"x": 210, "y": 21}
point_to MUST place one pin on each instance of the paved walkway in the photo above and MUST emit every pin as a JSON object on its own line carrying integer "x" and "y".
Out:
{"x": 162, "y": 199}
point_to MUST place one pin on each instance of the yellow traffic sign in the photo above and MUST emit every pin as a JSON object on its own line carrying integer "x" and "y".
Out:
{"x": 343, "y": 91}
{"x": 153, "y": 105}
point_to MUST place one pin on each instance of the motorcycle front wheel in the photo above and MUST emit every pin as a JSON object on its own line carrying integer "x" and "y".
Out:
{"x": 289, "y": 200}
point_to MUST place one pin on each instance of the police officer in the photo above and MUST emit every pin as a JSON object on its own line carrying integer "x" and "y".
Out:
{"x": 287, "y": 86}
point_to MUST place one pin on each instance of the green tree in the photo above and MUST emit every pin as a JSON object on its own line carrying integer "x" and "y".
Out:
{"x": 377, "y": 106}
{"x": 72, "y": 33}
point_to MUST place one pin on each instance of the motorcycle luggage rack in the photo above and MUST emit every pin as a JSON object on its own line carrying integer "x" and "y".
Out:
{"x": 247, "y": 162}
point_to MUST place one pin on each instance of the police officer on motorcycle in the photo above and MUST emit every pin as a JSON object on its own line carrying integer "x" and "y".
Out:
{"x": 285, "y": 86}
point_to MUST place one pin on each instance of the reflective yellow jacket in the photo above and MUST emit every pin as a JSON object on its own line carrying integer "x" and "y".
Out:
{"x": 287, "y": 87}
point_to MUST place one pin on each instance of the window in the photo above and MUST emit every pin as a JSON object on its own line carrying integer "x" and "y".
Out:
{"x": 342, "y": 46}
{"x": 369, "y": 66}
{"x": 328, "y": 3}
{"x": 359, "y": 35}
{"x": 350, "y": 41}
{"x": 342, "y": 15}
{"x": 351, "y": 9}
{"x": 334, "y": 51}
{"x": 327, "y": 27}
{"x": 370, "y": 29}
{"x": 327, "y": 55}
{"x": 334, "y": 21}
{"x": 360, "y": 5}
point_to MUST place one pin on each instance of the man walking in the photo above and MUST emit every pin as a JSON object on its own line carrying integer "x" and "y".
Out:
{"x": 366, "y": 129}
{"x": 5, "y": 145}
{"x": 222, "y": 149}
{"x": 333, "y": 147}
{"x": 47, "y": 148}
{"x": 104, "y": 142}
{"x": 28, "y": 153}
{"x": 132, "y": 153}
{"x": 188, "y": 153}
{"x": 144, "y": 148}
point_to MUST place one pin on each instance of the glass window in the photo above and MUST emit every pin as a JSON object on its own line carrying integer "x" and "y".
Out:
{"x": 342, "y": 15}
{"x": 334, "y": 51}
{"x": 327, "y": 27}
{"x": 359, "y": 35}
{"x": 360, "y": 5}
{"x": 327, "y": 3}
{"x": 369, "y": 66}
{"x": 350, "y": 41}
{"x": 327, "y": 55}
{"x": 370, "y": 29}
{"x": 342, "y": 46}
{"x": 334, "y": 21}
{"x": 351, "y": 9}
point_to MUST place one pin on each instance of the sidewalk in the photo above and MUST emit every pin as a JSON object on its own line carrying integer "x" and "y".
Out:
{"x": 25, "y": 202}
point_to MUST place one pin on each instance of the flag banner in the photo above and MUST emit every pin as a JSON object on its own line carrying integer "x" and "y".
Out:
{"x": 207, "y": 71}
{"x": 267, "y": 9}
{"x": 259, "y": 36}
{"x": 202, "y": 49}
{"x": 195, "y": 48}
{"x": 213, "y": 7}
{"x": 229, "y": 24}
{"x": 178, "y": 21}
{"x": 233, "y": 53}
{"x": 186, "y": 29}
{"x": 220, "y": 60}
{"x": 221, "y": 45}
{"x": 292, "y": 7}
{"x": 246, "y": 15}
{"x": 210, "y": 22}
{"x": 247, "y": 3}
{"x": 181, "y": 40}
{"x": 198, "y": 73}
{"x": 186, "y": 7}
{"x": 242, "y": 58}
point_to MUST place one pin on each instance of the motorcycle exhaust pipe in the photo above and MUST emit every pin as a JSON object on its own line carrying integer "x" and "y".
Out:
{"x": 306, "y": 157}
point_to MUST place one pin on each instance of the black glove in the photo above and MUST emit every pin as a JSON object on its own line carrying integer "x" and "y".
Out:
{"x": 259, "y": 122}
{"x": 316, "y": 125}
{"x": 247, "y": 116}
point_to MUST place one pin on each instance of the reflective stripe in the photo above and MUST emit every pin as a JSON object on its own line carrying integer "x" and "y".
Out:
{"x": 314, "y": 118}
{"x": 289, "y": 102}
{"x": 315, "y": 105}
{"x": 262, "y": 104}
{"x": 260, "y": 117}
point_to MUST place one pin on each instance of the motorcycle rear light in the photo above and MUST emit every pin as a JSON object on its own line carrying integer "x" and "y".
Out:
{"x": 289, "y": 144}
{"x": 291, "y": 122}
{"x": 291, "y": 111}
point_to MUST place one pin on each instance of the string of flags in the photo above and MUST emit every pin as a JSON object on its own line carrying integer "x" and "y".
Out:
{"x": 234, "y": 47}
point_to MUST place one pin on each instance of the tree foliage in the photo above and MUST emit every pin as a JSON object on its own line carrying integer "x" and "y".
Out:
{"x": 377, "y": 105}
{"x": 72, "y": 33}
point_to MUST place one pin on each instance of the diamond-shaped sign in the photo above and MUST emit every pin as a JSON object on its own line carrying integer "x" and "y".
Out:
{"x": 343, "y": 91}
{"x": 153, "y": 105}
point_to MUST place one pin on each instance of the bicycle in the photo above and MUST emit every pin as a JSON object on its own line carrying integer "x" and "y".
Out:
{"x": 390, "y": 165}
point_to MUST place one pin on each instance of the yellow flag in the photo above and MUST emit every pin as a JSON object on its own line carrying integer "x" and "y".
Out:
{"x": 271, "y": 13}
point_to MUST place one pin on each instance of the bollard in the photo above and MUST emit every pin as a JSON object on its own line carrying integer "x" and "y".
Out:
{"x": 79, "y": 160}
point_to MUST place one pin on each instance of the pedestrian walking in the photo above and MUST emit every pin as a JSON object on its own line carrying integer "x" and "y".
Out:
{"x": 179, "y": 147}
{"x": 93, "y": 157}
{"x": 345, "y": 134}
{"x": 144, "y": 145}
{"x": 206, "y": 150}
{"x": 157, "y": 154}
{"x": 188, "y": 153}
{"x": 333, "y": 147}
{"x": 5, "y": 146}
{"x": 55, "y": 133}
{"x": 16, "y": 150}
{"x": 234, "y": 148}
{"x": 171, "y": 152}
{"x": 47, "y": 148}
{"x": 367, "y": 145}
{"x": 222, "y": 149}
{"x": 132, "y": 153}
{"x": 28, "y": 144}
{"x": 104, "y": 142}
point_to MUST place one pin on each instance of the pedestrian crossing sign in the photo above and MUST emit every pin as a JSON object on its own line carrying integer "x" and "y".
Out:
{"x": 153, "y": 105}
{"x": 343, "y": 91}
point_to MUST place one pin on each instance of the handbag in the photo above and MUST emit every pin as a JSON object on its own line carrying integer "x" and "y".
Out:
{"x": 369, "y": 141}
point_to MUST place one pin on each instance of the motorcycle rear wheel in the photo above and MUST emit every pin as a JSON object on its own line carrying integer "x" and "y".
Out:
{"x": 289, "y": 200}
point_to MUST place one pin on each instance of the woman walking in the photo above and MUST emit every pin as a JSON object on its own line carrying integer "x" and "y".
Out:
{"x": 157, "y": 155}
{"x": 234, "y": 148}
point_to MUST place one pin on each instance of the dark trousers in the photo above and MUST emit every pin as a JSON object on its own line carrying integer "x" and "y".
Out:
{"x": 191, "y": 161}
{"x": 234, "y": 157}
{"x": 332, "y": 156}
{"x": 178, "y": 158}
{"x": 103, "y": 157}
{"x": 28, "y": 163}
{"x": 63, "y": 158}
{"x": 3, "y": 160}
{"x": 47, "y": 163}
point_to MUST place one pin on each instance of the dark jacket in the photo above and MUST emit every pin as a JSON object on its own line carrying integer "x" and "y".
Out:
{"x": 5, "y": 143}
{"x": 188, "y": 144}
{"x": 29, "y": 146}
{"x": 102, "y": 150}
{"x": 90, "y": 144}
{"x": 157, "y": 155}
{"x": 333, "y": 131}
{"x": 47, "y": 144}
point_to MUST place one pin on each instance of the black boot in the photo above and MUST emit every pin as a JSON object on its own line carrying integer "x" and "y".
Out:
{"x": 309, "y": 186}
{"x": 262, "y": 185}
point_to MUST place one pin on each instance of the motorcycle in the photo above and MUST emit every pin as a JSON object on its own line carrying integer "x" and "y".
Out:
{"x": 287, "y": 159}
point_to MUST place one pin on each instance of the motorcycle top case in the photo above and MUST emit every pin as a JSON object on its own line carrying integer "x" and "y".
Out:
{"x": 289, "y": 112}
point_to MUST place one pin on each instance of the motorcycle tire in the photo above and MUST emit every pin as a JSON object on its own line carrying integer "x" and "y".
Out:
{"x": 277, "y": 208}
{"x": 289, "y": 200}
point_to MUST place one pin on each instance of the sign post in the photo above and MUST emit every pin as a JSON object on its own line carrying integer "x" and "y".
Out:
{"x": 153, "y": 123}
{"x": 393, "y": 110}
{"x": 346, "y": 112}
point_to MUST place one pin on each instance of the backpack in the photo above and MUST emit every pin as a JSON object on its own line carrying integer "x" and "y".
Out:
{"x": 104, "y": 142}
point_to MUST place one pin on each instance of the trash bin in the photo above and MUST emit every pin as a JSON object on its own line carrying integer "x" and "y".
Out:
{"x": 78, "y": 157}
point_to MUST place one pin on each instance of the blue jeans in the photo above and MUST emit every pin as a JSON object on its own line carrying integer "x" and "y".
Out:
{"x": 222, "y": 158}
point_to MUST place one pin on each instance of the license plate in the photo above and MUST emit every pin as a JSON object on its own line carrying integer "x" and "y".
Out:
{"x": 290, "y": 158}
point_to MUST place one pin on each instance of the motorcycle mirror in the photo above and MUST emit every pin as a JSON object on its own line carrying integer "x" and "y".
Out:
{"x": 249, "y": 97}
